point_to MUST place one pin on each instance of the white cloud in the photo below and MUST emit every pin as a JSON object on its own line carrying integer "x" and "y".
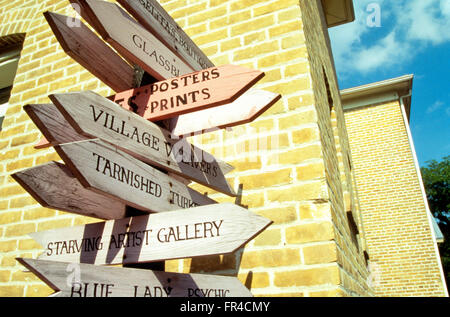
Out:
{"x": 407, "y": 27}
{"x": 434, "y": 107}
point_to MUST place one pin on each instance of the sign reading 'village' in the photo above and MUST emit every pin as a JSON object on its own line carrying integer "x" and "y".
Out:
{"x": 205, "y": 230}
{"x": 87, "y": 280}
{"x": 95, "y": 116}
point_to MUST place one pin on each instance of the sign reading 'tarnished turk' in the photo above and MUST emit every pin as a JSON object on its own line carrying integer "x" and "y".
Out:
{"x": 199, "y": 231}
{"x": 103, "y": 168}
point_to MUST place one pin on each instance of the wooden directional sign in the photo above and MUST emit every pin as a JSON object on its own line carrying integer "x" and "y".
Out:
{"x": 154, "y": 18}
{"x": 87, "y": 280}
{"x": 102, "y": 167}
{"x": 95, "y": 116}
{"x": 243, "y": 110}
{"x": 133, "y": 41}
{"x": 199, "y": 90}
{"x": 200, "y": 231}
{"x": 54, "y": 186}
{"x": 91, "y": 52}
{"x": 52, "y": 124}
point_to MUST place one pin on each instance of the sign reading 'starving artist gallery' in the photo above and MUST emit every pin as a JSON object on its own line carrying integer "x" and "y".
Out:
{"x": 200, "y": 231}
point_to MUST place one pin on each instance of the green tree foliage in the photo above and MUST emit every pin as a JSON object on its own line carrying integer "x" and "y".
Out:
{"x": 436, "y": 178}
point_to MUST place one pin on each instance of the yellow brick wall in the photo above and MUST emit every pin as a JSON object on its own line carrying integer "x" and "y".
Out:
{"x": 290, "y": 160}
{"x": 399, "y": 238}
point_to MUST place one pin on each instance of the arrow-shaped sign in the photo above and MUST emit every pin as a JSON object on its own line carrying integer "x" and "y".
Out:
{"x": 91, "y": 52}
{"x": 54, "y": 186}
{"x": 95, "y": 116}
{"x": 199, "y": 90}
{"x": 103, "y": 168}
{"x": 87, "y": 280}
{"x": 154, "y": 18}
{"x": 52, "y": 124}
{"x": 133, "y": 41}
{"x": 243, "y": 110}
{"x": 200, "y": 231}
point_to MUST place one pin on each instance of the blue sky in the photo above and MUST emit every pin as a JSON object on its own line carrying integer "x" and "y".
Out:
{"x": 389, "y": 39}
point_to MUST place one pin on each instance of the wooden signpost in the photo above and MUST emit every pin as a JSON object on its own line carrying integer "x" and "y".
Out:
{"x": 117, "y": 160}
{"x": 200, "y": 231}
{"x": 103, "y": 168}
{"x": 53, "y": 186}
{"x": 155, "y": 19}
{"x": 203, "y": 89}
{"x": 133, "y": 41}
{"x": 92, "y": 53}
{"x": 87, "y": 280}
{"x": 95, "y": 116}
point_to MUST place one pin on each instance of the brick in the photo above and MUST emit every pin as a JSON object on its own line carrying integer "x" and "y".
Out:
{"x": 28, "y": 244}
{"x": 242, "y": 4}
{"x": 280, "y": 59}
{"x": 310, "y": 232}
{"x": 24, "y": 139}
{"x": 270, "y": 258}
{"x": 210, "y": 37}
{"x": 229, "y": 44}
{"x": 310, "y": 171}
{"x": 11, "y": 290}
{"x": 284, "y": 28}
{"x": 337, "y": 292}
{"x": 309, "y": 191}
{"x": 279, "y": 215}
{"x": 296, "y": 156}
{"x": 10, "y": 217}
{"x": 213, "y": 263}
{"x": 300, "y": 101}
{"x": 320, "y": 253}
{"x": 205, "y": 15}
{"x": 305, "y": 135}
{"x": 252, "y": 25}
{"x": 5, "y": 275}
{"x": 255, "y": 279}
{"x": 308, "y": 277}
{"x": 188, "y": 11}
{"x": 274, "y": 7}
{"x": 20, "y": 229}
{"x": 38, "y": 290}
{"x": 37, "y": 213}
{"x": 21, "y": 276}
{"x": 255, "y": 37}
{"x": 268, "y": 179}
{"x": 8, "y": 245}
{"x": 298, "y": 39}
{"x": 255, "y": 50}
{"x": 21, "y": 202}
{"x": 13, "y": 190}
{"x": 292, "y": 13}
{"x": 253, "y": 200}
{"x": 268, "y": 238}
{"x": 294, "y": 86}
{"x": 53, "y": 224}
{"x": 246, "y": 164}
{"x": 19, "y": 164}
